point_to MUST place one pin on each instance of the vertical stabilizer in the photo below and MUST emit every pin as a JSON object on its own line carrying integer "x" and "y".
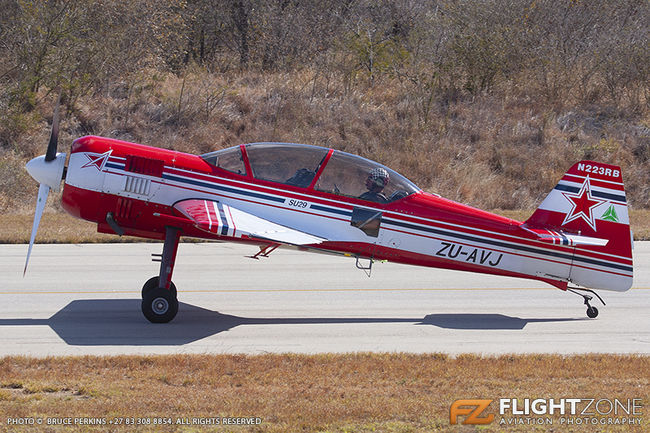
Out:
{"x": 589, "y": 201}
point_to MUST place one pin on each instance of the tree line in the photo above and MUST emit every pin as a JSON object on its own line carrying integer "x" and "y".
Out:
{"x": 557, "y": 51}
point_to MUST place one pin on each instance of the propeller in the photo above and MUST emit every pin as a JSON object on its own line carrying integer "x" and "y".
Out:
{"x": 43, "y": 191}
{"x": 47, "y": 170}
{"x": 54, "y": 136}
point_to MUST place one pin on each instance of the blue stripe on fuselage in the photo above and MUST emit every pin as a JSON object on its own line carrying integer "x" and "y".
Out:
{"x": 223, "y": 188}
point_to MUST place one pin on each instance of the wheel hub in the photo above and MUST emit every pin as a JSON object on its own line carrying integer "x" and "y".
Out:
{"x": 160, "y": 305}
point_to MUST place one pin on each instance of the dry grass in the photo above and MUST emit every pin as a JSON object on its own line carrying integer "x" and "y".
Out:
{"x": 54, "y": 228}
{"x": 58, "y": 227}
{"x": 640, "y": 223}
{"x": 492, "y": 151}
{"x": 292, "y": 393}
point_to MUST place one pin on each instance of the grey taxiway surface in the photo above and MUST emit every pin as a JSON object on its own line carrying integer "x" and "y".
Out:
{"x": 85, "y": 299}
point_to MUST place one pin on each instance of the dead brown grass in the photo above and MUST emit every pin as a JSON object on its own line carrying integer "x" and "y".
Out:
{"x": 292, "y": 393}
{"x": 57, "y": 227}
{"x": 640, "y": 223}
{"x": 492, "y": 151}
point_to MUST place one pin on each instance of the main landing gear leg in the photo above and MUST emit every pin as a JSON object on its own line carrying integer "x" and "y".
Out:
{"x": 159, "y": 296}
{"x": 592, "y": 312}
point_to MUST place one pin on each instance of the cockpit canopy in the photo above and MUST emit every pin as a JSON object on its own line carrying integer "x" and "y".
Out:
{"x": 227, "y": 159}
{"x": 313, "y": 167}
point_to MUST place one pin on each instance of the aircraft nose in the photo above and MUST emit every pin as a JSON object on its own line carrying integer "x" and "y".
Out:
{"x": 48, "y": 173}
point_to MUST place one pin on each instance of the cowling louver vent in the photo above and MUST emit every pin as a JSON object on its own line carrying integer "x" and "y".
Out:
{"x": 137, "y": 185}
{"x": 142, "y": 165}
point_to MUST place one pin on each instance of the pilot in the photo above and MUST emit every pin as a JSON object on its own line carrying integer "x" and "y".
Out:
{"x": 301, "y": 178}
{"x": 376, "y": 182}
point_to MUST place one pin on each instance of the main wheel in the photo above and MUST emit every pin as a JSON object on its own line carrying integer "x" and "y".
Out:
{"x": 592, "y": 312}
{"x": 159, "y": 305}
{"x": 152, "y": 283}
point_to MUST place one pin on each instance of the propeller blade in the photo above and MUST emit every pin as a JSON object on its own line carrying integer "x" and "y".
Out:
{"x": 54, "y": 136}
{"x": 43, "y": 191}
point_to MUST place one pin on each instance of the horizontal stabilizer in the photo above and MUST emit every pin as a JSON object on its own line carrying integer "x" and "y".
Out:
{"x": 221, "y": 219}
{"x": 560, "y": 238}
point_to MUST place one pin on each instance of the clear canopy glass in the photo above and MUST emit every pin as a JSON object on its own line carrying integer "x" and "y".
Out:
{"x": 288, "y": 163}
{"x": 228, "y": 159}
{"x": 301, "y": 165}
{"x": 350, "y": 175}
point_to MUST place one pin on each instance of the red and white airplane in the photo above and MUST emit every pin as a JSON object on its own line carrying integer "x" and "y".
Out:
{"x": 325, "y": 200}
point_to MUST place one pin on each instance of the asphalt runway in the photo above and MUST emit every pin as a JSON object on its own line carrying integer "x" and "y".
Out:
{"x": 85, "y": 299}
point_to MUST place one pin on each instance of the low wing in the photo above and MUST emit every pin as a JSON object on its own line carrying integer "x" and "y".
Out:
{"x": 216, "y": 217}
{"x": 561, "y": 238}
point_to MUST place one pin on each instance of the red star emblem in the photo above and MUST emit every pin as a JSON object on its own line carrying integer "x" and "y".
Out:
{"x": 97, "y": 161}
{"x": 582, "y": 205}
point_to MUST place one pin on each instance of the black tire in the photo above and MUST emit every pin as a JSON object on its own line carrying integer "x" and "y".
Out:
{"x": 592, "y": 312}
{"x": 152, "y": 283}
{"x": 159, "y": 306}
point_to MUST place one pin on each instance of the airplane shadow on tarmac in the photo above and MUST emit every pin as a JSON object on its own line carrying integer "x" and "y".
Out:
{"x": 119, "y": 322}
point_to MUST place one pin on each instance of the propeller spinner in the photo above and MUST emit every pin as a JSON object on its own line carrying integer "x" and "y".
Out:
{"x": 47, "y": 170}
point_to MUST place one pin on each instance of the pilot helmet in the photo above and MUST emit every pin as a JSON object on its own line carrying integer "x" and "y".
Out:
{"x": 379, "y": 177}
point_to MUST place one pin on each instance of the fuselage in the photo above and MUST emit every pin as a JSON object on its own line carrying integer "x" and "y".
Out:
{"x": 138, "y": 185}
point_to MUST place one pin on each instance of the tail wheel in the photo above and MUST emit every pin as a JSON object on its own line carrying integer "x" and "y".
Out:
{"x": 592, "y": 312}
{"x": 152, "y": 283}
{"x": 159, "y": 305}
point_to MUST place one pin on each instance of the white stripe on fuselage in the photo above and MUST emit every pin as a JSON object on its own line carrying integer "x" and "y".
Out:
{"x": 207, "y": 211}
